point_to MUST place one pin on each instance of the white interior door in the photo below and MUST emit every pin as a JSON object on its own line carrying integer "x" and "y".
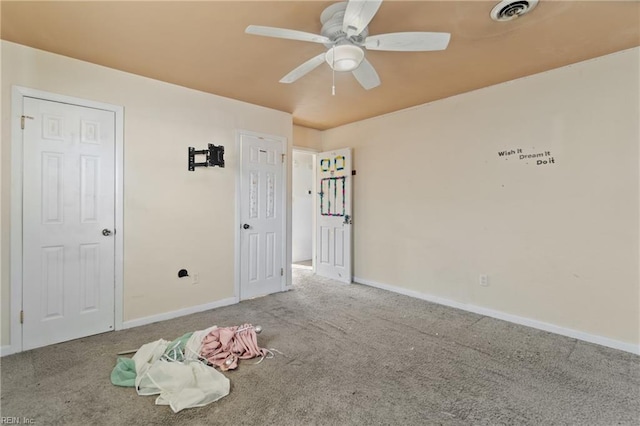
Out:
{"x": 68, "y": 222}
{"x": 261, "y": 216}
{"x": 333, "y": 214}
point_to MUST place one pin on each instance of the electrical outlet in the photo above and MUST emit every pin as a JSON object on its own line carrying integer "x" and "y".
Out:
{"x": 484, "y": 280}
{"x": 195, "y": 278}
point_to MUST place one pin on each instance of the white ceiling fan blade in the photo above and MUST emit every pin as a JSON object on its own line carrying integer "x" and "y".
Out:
{"x": 303, "y": 69}
{"x": 285, "y": 33}
{"x": 408, "y": 42}
{"x": 366, "y": 75}
{"x": 358, "y": 15}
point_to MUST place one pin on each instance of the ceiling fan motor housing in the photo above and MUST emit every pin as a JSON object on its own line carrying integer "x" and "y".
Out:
{"x": 345, "y": 53}
{"x": 332, "y": 18}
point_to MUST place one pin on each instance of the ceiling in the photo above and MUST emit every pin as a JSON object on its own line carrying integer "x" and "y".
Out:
{"x": 202, "y": 45}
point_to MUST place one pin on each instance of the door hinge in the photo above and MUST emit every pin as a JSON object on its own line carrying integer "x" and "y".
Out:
{"x": 21, "y": 317}
{"x": 22, "y": 118}
{"x": 281, "y": 271}
{"x": 282, "y": 158}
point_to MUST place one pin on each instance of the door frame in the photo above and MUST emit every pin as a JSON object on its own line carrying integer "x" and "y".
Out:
{"x": 314, "y": 200}
{"x": 284, "y": 192}
{"x": 18, "y": 93}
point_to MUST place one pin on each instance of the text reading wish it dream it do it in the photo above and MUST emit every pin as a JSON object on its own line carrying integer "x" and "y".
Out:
{"x": 540, "y": 158}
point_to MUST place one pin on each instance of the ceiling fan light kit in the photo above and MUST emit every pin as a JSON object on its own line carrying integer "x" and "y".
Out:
{"x": 345, "y": 57}
{"x": 346, "y": 36}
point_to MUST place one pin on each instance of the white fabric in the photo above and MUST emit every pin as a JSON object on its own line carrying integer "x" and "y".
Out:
{"x": 179, "y": 385}
{"x": 148, "y": 354}
{"x": 187, "y": 385}
{"x": 194, "y": 344}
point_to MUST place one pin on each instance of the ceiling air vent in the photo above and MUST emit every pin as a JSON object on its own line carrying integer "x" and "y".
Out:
{"x": 507, "y": 10}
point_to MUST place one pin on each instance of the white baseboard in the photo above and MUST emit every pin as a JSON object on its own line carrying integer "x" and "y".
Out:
{"x": 179, "y": 313}
{"x": 540, "y": 325}
{"x": 7, "y": 350}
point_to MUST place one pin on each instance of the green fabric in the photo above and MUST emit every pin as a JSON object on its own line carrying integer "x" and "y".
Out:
{"x": 175, "y": 349}
{"x": 124, "y": 373}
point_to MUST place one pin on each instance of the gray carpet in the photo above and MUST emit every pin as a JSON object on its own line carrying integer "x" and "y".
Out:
{"x": 352, "y": 355}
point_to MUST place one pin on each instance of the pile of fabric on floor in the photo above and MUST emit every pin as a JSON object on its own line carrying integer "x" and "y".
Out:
{"x": 182, "y": 372}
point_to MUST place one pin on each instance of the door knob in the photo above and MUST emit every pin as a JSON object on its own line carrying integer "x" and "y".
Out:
{"x": 246, "y": 226}
{"x": 106, "y": 232}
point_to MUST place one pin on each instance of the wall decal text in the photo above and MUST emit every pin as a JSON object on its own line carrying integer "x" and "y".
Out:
{"x": 538, "y": 158}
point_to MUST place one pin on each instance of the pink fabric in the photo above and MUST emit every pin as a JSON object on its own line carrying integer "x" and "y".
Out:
{"x": 226, "y": 343}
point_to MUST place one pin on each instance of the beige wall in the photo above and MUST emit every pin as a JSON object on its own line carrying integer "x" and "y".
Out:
{"x": 173, "y": 218}
{"x": 304, "y": 137}
{"x": 435, "y": 205}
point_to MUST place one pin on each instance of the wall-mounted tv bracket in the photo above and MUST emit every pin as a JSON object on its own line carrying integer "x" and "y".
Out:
{"x": 214, "y": 157}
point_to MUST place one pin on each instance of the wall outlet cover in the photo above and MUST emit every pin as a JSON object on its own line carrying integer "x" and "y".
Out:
{"x": 484, "y": 280}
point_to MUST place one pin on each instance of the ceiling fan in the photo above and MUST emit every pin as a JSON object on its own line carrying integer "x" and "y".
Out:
{"x": 344, "y": 33}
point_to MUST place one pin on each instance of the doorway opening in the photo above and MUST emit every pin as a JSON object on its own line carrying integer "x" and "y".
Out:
{"x": 302, "y": 208}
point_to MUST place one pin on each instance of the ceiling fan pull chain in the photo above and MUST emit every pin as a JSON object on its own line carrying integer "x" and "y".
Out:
{"x": 333, "y": 87}
{"x": 333, "y": 72}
